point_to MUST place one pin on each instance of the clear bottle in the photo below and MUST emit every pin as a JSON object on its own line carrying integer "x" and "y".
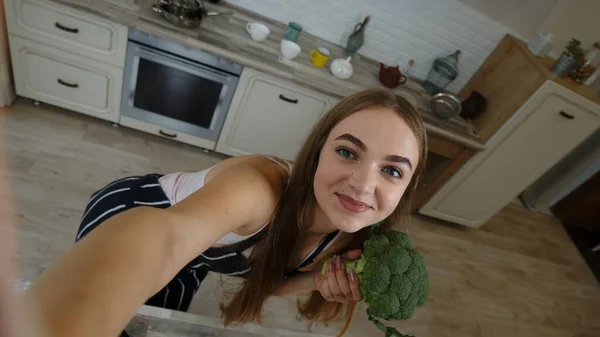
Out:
{"x": 541, "y": 45}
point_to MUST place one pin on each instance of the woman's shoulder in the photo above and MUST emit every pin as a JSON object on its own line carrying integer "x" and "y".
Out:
{"x": 272, "y": 169}
{"x": 264, "y": 180}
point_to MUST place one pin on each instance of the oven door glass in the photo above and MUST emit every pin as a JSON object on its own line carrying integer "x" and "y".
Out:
{"x": 176, "y": 93}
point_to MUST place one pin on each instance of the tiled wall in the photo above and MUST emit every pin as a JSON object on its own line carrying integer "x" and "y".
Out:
{"x": 398, "y": 31}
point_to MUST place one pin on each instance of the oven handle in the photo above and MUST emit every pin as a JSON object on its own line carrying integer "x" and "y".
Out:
{"x": 173, "y": 58}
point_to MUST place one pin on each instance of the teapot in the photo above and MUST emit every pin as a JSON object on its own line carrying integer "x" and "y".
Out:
{"x": 342, "y": 68}
{"x": 391, "y": 77}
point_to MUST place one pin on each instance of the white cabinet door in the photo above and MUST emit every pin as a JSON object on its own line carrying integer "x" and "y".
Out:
{"x": 66, "y": 80}
{"x": 68, "y": 29}
{"x": 269, "y": 116}
{"x": 550, "y": 131}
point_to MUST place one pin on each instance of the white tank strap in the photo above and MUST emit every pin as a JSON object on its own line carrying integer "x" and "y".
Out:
{"x": 287, "y": 166}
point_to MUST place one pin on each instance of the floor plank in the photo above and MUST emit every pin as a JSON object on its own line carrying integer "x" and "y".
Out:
{"x": 520, "y": 275}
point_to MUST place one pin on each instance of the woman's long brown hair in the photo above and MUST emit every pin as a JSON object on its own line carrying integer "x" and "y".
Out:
{"x": 271, "y": 256}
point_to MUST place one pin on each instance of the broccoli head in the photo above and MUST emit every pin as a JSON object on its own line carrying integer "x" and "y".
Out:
{"x": 393, "y": 279}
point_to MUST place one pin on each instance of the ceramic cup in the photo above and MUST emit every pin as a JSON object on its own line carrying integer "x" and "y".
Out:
{"x": 289, "y": 49}
{"x": 257, "y": 31}
{"x": 319, "y": 57}
{"x": 292, "y": 31}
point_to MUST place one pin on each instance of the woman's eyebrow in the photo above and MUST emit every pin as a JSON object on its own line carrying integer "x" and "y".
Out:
{"x": 399, "y": 159}
{"x": 361, "y": 145}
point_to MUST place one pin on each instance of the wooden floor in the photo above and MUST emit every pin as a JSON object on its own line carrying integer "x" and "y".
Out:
{"x": 518, "y": 276}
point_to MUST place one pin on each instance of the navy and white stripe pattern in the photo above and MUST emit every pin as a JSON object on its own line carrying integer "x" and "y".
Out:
{"x": 131, "y": 192}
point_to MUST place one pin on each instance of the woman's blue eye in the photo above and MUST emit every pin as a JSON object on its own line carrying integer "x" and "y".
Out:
{"x": 392, "y": 171}
{"x": 345, "y": 153}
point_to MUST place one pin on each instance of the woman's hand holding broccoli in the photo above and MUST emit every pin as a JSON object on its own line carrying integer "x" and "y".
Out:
{"x": 337, "y": 284}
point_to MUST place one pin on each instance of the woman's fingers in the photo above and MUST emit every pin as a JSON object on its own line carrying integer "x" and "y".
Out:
{"x": 352, "y": 254}
{"x": 323, "y": 286}
{"x": 354, "y": 286}
{"x": 333, "y": 281}
{"x": 342, "y": 279}
{"x": 337, "y": 284}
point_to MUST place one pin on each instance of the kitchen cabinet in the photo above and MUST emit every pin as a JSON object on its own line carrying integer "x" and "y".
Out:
{"x": 552, "y": 123}
{"x": 270, "y": 116}
{"x": 66, "y": 58}
{"x": 67, "y": 80}
{"x": 65, "y": 28}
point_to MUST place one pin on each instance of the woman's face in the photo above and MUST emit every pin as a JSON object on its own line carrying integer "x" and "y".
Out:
{"x": 364, "y": 168}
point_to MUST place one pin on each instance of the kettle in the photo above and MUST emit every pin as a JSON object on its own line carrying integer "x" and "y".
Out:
{"x": 391, "y": 77}
{"x": 341, "y": 68}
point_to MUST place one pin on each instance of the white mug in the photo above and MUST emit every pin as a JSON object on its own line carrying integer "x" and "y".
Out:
{"x": 289, "y": 49}
{"x": 258, "y": 31}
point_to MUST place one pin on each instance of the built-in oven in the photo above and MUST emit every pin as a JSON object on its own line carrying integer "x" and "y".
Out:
{"x": 175, "y": 87}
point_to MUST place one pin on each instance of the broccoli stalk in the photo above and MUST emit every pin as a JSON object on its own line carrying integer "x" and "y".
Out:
{"x": 393, "y": 279}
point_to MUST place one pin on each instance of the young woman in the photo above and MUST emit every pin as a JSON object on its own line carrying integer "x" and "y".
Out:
{"x": 154, "y": 238}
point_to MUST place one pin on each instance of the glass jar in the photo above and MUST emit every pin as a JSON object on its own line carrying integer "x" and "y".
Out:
{"x": 588, "y": 66}
{"x": 443, "y": 71}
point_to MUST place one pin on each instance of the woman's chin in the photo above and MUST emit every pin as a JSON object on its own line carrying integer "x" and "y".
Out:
{"x": 350, "y": 225}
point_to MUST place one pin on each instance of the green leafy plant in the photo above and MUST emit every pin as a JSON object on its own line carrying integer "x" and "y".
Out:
{"x": 574, "y": 48}
{"x": 393, "y": 279}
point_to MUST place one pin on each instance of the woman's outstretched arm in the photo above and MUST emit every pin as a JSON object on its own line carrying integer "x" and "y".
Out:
{"x": 96, "y": 287}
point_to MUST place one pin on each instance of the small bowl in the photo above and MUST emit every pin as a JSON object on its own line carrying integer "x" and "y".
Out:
{"x": 445, "y": 105}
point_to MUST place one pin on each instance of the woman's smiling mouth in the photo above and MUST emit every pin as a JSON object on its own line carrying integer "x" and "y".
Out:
{"x": 351, "y": 204}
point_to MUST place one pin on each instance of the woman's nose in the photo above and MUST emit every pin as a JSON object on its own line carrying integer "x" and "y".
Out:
{"x": 363, "y": 181}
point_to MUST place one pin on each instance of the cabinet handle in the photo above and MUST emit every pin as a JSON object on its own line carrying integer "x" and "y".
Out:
{"x": 66, "y": 29}
{"x": 66, "y": 84}
{"x": 170, "y": 135}
{"x": 289, "y": 100}
{"x": 567, "y": 115}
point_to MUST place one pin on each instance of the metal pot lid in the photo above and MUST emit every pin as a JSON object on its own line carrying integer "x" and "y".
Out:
{"x": 185, "y": 4}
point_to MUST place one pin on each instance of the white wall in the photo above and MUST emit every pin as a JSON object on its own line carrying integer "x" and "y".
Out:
{"x": 399, "y": 29}
{"x": 523, "y": 16}
{"x": 565, "y": 19}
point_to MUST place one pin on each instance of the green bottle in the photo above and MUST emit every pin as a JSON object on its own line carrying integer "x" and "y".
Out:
{"x": 357, "y": 38}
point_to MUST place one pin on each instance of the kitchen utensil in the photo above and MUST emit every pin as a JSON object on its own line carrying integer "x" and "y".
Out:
{"x": 319, "y": 57}
{"x": 411, "y": 63}
{"x": 391, "y": 77}
{"x": 183, "y": 13}
{"x": 443, "y": 71}
{"x": 289, "y": 49}
{"x": 445, "y": 105}
{"x": 473, "y": 106}
{"x": 341, "y": 68}
{"x": 292, "y": 31}
{"x": 257, "y": 31}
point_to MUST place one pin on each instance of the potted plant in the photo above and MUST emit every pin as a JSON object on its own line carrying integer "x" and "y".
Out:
{"x": 570, "y": 59}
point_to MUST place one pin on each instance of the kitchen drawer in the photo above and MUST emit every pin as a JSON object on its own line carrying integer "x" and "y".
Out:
{"x": 166, "y": 132}
{"x": 66, "y": 80}
{"x": 67, "y": 29}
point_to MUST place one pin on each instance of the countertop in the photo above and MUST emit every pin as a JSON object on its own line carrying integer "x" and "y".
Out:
{"x": 544, "y": 64}
{"x": 226, "y": 36}
{"x": 153, "y": 321}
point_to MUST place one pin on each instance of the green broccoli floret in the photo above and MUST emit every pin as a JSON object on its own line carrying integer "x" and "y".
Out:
{"x": 393, "y": 278}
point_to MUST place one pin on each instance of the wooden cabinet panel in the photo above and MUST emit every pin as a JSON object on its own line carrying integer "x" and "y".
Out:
{"x": 547, "y": 131}
{"x": 67, "y": 29}
{"x": 66, "y": 80}
{"x": 269, "y": 116}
